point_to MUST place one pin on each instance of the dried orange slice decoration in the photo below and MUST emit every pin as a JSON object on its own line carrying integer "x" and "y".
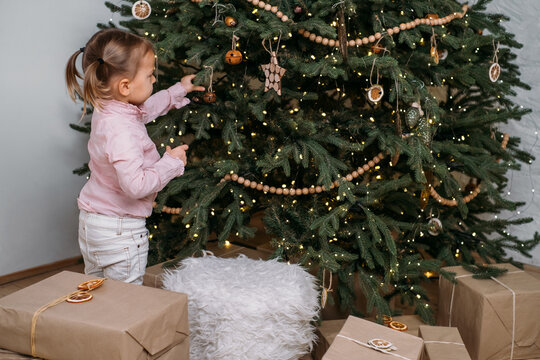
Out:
{"x": 141, "y": 10}
{"x": 396, "y": 325}
{"x": 380, "y": 344}
{"x": 375, "y": 93}
{"x": 91, "y": 284}
{"x": 79, "y": 297}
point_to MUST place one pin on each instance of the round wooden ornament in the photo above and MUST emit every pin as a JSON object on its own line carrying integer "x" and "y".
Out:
{"x": 375, "y": 93}
{"x": 434, "y": 226}
{"x": 494, "y": 72}
{"x": 141, "y": 10}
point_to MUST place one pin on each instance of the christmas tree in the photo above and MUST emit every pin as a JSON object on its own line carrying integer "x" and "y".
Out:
{"x": 366, "y": 131}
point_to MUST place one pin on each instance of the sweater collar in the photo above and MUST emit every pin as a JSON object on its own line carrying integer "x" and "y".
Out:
{"x": 120, "y": 107}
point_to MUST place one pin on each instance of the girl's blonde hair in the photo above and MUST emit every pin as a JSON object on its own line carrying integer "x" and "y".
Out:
{"x": 109, "y": 54}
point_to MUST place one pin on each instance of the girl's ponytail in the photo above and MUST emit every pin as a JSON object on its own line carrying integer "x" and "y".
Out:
{"x": 72, "y": 74}
{"x": 93, "y": 88}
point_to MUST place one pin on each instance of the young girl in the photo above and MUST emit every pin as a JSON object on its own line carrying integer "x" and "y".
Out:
{"x": 126, "y": 168}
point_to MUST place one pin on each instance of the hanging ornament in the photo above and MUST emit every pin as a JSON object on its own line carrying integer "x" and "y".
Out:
{"x": 342, "y": 33}
{"x": 230, "y": 21}
{"x": 377, "y": 48}
{"x": 220, "y": 10}
{"x": 443, "y": 54}
{"x": 424, "y": 130}
{"x": 210, "y": 95}
{"x": 414, "y": 114}
{"x": 272, "y": 71}
{"x": 432, "y": 16}
{"x": 395, "y": 158}
{"x": 233, "y": 57}
{"x": 495, "y": 69}
{"x": 141, "y": 10}
{"x": 434, "y": 53}
{"x": 434, "y": 225}
{"x": 298, "y": 10}
{"x": 325, "y": 290}
{"x": 375, "y": 92}
{"x": 424, "y": 197}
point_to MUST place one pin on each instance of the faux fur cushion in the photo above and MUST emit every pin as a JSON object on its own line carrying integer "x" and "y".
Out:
{"x": 244, "y": 309}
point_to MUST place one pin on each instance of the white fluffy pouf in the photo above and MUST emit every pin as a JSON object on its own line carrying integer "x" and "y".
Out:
{"x": 244, "y": 309}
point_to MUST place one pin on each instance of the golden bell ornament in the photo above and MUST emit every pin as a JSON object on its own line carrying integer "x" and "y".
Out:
{"x": 209, "y": 97}
{"x": 230, "y": 21}
{"x": 233, "y": 57}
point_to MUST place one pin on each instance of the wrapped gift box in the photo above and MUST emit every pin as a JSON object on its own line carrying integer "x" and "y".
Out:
{"x": 487, "y": 318}
{"x": 121, "y": 321}
{"x": 327, "y": 331}
{"x": 442, "y": 343}
{"x": 353, "y": 340}
{"x": 153, "y": 276}
{"x": 533, "y": 270}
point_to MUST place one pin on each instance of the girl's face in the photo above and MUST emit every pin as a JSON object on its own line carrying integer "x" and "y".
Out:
{"x": 142, "y": 83}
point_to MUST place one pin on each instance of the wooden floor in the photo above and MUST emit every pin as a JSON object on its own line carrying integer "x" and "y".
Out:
{"x": 8, "y": 288}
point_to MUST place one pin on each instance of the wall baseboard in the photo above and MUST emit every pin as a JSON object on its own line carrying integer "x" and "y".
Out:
{"x": 39, "y": 269}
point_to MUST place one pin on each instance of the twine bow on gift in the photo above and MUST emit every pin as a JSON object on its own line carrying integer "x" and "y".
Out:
{"x": 374, "y": 347}
{"x": 513, "y": 306}
{"x": 83, "y": 289}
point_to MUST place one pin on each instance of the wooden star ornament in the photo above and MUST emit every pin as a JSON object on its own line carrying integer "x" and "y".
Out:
{"x": 273, "y": 73}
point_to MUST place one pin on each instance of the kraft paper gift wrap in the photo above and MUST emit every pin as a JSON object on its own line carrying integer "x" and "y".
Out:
{"x": 153, "y": 276}
{"x": 442, "y": 343}
{"x": 488, "y": 319}
{"x": 122, "y": 321}
{"x": 408, "y": 346}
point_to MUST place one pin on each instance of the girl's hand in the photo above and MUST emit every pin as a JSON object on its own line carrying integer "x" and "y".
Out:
{"x": 186, "y": 83}
{"x": 178, "y": 152}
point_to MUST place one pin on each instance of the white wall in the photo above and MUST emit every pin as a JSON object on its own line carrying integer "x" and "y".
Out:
{"x": 38, "y": 211}
{"x": 524, "y": 24}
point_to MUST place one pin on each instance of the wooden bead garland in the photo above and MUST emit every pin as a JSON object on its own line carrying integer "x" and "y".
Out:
{"x": 284, "y": 191}
{"x": 429, "y": 20}
{"x": 474, "y": 193}
{"x": 349, "y": 177}
{"x": 304, "y": 191}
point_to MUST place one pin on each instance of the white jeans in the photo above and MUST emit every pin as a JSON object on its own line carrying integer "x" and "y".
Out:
{"x": 113, "y": 247}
